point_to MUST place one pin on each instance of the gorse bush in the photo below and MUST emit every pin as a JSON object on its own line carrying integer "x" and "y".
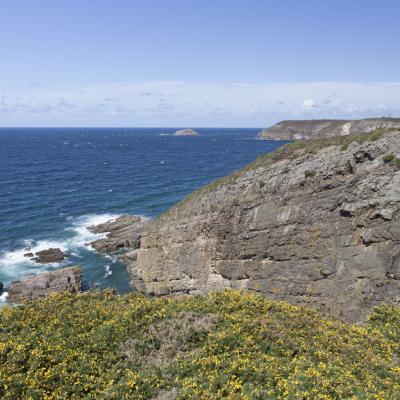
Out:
{"x": 227, "y": 345}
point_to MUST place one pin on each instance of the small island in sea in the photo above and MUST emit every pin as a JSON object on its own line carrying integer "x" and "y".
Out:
{"x": 186, "y": 132}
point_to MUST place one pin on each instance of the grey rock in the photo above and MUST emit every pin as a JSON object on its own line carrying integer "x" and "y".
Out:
{"x": 323, "y": 128}
{"x": 186, "y": 132}
{"x": 122, "y": 233}
{"x": 123, "y": 236}
{"x": 36, "y": 286}
{"x": 52, "y": 255}
{"x": 330, "y": 241}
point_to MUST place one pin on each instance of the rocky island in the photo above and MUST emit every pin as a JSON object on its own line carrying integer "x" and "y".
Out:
{"x": 186, "y": 132}
{"x": 324, "y": 128}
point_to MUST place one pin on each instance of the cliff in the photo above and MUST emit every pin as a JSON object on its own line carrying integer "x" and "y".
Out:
{"x": 316, "y": 223}
{"x": 324, "y": 128}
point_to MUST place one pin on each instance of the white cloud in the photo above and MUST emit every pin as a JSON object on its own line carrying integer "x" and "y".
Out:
{"x": 309, "y": 104}
{"x": 175, "y": 103}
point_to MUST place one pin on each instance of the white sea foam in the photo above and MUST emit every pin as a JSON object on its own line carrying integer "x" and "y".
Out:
{"x": 83, "y": 235}
{"x": 108, "y": 271}
{"x": 3, "y": 297}
{"x": 13, "y": 264}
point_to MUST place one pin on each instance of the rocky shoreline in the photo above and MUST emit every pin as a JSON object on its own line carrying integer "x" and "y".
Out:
{"x": 316, "y": 225}
{"x": 38, "y": 286}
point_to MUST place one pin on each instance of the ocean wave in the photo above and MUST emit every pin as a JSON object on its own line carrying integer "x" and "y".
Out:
{"x": 14, "y": 265}
{"x": 3, "y": 297}
{"x": 82, "y": 235}
{"x": 108, "y": 271}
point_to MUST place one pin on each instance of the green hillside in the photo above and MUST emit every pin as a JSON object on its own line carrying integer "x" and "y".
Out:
{"x": 228, "y": 345}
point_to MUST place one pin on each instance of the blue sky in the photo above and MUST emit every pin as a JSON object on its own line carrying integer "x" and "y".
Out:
{"x": 196, "y": 63}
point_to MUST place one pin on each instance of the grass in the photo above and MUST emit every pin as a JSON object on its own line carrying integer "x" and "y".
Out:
{"x": 289, "y": 151}
{"x": 391, "y": 158}
{"x": 309, "y": 173}
{"x": 227, "y": 345}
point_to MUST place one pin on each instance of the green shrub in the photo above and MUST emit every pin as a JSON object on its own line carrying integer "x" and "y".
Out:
{"x": 309, "y": 173}
{"x": 388, "y": 158}
{"x": 227, "y": 345}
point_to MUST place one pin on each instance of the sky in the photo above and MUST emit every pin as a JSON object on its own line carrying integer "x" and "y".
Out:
{"x": 194, "y": 63}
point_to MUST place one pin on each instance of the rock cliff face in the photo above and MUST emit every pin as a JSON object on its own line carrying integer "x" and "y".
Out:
{"x": 32, "y": 287}
{"x": 312, "y": 227}
{"x": 323, "y": 128}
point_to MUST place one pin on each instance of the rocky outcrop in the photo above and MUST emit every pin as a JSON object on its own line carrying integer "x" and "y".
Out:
{"x": 122, "y": 233}
{"x": 53, "y": 255}
{"x": 186, "y": 132}
{"x": 318, "y": 228}
{"x": 324, "y": 128}
{"x": 123, "y": 236}
{"x": 36, "y": 286}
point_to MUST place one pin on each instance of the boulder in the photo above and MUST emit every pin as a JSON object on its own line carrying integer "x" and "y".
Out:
{"x": 52, "y": 255}
{"x": 37, "y": 286}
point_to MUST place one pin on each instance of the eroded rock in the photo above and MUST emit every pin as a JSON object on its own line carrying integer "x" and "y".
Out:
{"x": 122, "y": 233}
{"x": 53, "y": 255}
{"x": 36, "y": 286}
{"x": 330, "y": 241}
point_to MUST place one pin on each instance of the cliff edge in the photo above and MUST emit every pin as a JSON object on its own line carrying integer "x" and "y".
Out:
{"x": 315, "y": 223}
{"x": 324, "y": 128}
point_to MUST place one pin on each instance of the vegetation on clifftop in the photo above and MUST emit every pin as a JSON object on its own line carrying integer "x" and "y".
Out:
{"x": 290, "y": 151}
{"x": 228, "y": 345}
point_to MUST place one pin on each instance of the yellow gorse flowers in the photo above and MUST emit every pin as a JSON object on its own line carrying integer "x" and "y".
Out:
{"x": 227, "y": 345}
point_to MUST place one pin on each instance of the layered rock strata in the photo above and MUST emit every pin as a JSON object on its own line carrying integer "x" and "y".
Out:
{"x": 122, "y": 233}
{"x": 319, "y": 228}
{"x": 36, "y": 286}
{"x": 123, "y": 236}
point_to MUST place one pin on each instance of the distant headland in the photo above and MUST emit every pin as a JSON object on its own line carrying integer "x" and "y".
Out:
{"x": 324, "y": 128}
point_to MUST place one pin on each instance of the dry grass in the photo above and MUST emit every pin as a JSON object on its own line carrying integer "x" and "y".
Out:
{"x": 166, "y": 340}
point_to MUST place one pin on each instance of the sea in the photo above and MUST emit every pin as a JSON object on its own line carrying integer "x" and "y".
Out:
{"x": 57, "y": 182}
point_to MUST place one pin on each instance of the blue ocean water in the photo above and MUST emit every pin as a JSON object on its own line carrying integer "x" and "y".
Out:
{"x": 54, "y": 183}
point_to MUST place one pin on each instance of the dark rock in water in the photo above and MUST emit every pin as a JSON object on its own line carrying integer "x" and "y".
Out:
{"x": 32, "y": 287}
{"x": 49, "y": 256}
{"x": 1, "y": 287}
{"x": 29, "y": 255}
{"x": 123, "y": 233}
